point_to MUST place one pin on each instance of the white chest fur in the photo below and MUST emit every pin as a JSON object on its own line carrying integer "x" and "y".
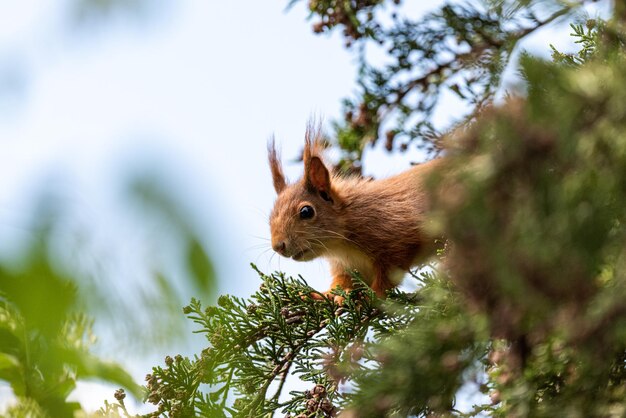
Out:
{"x": 351, "y": 259}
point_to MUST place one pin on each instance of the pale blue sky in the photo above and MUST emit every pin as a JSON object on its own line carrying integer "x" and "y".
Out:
{"x": 194, "y": 90}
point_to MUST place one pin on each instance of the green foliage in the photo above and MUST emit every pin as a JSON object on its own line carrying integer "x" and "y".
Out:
{"x": 587, "y": 37}
{"x": 256, "y": 343}
{"x": 281, "y": 332}
{"x": 461, "y": 49}
{"x": 532, "y": 200}
{"x": 45, "y": 341}
{"x": 539, "y": 207}
{"x": 422, "y": 365}
{"x": 45, "y": 306}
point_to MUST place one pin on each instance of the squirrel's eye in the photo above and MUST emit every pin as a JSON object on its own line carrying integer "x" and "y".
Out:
{"x": 306, "y": 212}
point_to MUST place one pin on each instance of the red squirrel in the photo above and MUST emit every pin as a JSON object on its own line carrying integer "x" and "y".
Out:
{"x": 376, "y": 227}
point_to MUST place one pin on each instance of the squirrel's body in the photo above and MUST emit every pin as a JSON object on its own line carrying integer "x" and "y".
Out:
{"x": 376, "y": 227}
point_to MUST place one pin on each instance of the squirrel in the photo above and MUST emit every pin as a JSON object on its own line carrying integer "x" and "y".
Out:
{"x": 376, "y": 227}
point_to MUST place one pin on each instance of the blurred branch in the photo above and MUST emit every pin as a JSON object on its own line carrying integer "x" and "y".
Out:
{"x": 89, "y": 11}
{"x": 462, "y": 48}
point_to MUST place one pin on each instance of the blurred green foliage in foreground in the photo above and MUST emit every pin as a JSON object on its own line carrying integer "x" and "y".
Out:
{"x": 47, "y": 304}
{"x": 45, "y": 341}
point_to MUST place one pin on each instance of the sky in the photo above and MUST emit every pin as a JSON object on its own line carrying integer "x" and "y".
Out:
{"x": 188, "y": 92}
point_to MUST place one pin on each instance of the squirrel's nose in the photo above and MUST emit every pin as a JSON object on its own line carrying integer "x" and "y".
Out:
{"x": 279, "y": 247}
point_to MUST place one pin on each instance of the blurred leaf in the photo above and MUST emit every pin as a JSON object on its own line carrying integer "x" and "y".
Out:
{"x": 7, "y": 362}
{"x": 42, "y": 297}
{"x": 44, "y": 342}
{"x": 158, "y": 202}
{"x": 89, "y": 11}
{"x": 89, "y": 366}
{"x": 201, "y": 267}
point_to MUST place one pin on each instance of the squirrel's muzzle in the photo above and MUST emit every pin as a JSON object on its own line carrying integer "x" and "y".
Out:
{"x": 280, "y": 247}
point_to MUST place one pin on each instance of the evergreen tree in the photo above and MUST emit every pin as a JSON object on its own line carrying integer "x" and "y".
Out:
{"x": 526, "y": 302}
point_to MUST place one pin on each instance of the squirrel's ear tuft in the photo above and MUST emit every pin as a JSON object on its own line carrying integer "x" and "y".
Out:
{"x": 277, "y": 169}
{"x": 313, "y": 143}
{"x": 317, "y": 176}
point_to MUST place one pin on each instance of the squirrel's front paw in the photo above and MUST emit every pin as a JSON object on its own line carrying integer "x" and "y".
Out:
{"x": 329, "y": 295}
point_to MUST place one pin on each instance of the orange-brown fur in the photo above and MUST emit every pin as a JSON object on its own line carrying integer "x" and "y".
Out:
{"x": 376, "y": 227}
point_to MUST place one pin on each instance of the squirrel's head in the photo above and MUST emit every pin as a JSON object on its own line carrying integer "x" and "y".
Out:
{"x": 305, "y": 221}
